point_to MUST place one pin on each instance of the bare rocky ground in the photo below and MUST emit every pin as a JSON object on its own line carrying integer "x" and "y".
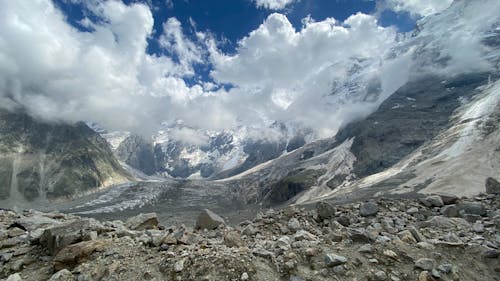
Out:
{"x": 434, "y": 238}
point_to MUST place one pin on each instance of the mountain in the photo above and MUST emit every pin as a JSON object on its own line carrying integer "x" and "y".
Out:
{"x": 437, "y": 133}
{"x": 217, "y": 154}
{"x": 44, "y": 161}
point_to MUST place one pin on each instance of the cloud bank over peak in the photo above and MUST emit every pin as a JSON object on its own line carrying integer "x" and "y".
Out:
{"x": 273, "y": 4}
{"x": 417, "y": 7}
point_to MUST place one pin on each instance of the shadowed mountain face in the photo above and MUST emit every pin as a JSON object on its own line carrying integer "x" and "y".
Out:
{"x": 413, "y": 115}
{"x": 47, "y": 161}
{"x": 411, "y": 118}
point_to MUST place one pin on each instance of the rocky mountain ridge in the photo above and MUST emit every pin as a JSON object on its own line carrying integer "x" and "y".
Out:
{"x": 42, "y": 161}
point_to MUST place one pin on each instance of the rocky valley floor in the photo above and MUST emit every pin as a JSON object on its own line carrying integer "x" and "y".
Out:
{"x": 432, "y": 238}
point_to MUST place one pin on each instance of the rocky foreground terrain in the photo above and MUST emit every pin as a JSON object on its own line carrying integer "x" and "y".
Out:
{"x": 438, "y": 237}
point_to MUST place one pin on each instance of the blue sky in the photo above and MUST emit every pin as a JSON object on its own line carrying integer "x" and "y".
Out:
{"x": 231, "y": 20}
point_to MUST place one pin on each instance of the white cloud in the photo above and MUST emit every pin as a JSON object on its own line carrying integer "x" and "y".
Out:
{"x": 417, "y": 7}
{"x": 273, "y": 4}
{"x": 173, "y": 40}
{"x": 60, "y": 73}
{"x": 287, "y": 74}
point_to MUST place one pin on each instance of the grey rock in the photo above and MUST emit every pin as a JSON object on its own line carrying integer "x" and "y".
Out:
{"x": 332, "y": 260}
{"x": 360, "y": 236}
{"x": 435, "y": 273}
{"x": 35, "y": 222}
{"x": 5, "y": 257}
{"x": 263, "y": 253}
{"x": 478, "y": 227}
{"x": 416, "y": 234}
{"x": 60, "y": 236}
{"x": 434, "y": 201}
{"x": 244, "y": 276}
{"x": 208, "y": 220}
{"x": 450, "y": 211}
{"x": 72, "y": 255}
{"x": 179, "y": 266}
{"x": 15, "y": 231}
{"x": 249, "y": 230}
{"x": 444, "y": 222}
{"x": 143, "y": 222}
{"x": 325, "y": 210}
{"x": 407, "y": 236}
{"x": 492, "y": 186}
{"x": 449, "y": 198}
{"x": 344, "y": 220}
{"x": 366, "y": 249}
{"x": 303, "y": 235}
{"x": 425, "y": 264}
{"x": 294, "y": 224}
{"x": 445, "y": 268}
{"x": 233, "y": 239}
{"x": 412, "y": 210}
{"x": 34, "y": 236}
{"x": 472, "y": 208}
{"x": 62, "y": 275}
{"x": 491, "y": 254}
{"x": 380, "y": 276}
{"x": 14, "y": 277}
{"x": 470, "y": 217}
{"x": 156, "y": 236}
{"x": 368, "y": 209}
{"x": 283, "y": 243}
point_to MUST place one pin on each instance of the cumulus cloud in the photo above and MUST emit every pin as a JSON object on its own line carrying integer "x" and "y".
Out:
{"x": 417, "y": 7}
{"x": 292, "y": 72}
{"x": 57, "y": 72}
{"x": 273, "y": 4}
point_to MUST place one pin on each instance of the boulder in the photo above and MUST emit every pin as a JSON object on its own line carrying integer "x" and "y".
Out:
{"x": 325, "y": 210}
{"x": 14, "y": 277}
{"x": 35, "y": 222}
{"x": 249, "y": 230}
{"x": 471, "y": 208}
{"x": 360, "y": 236}
{"x": 208, "y": 220}
{"x": 62, "y": 275}
{"x": 424, "y": 264}
{"x": 75, "y": 254}
{"x": 492, "y": 186}
{"x": 143, "y": 222}
{"x": 448, "y": 199}
{"x": 294, "y": 224}
{"x": 407, "y": 236}
{"x": 332, "y": 260}
{"x": 434, "y": 201}
{"x": 368, "y": 209}
{"x": 58, "y": 237}
{"x": 233, "y": 239}
{"x": 450, "y": 211}
{"x": 444, "y": 222}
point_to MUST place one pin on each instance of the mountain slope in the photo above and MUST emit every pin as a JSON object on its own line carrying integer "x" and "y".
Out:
{"x": 42, "y": 161}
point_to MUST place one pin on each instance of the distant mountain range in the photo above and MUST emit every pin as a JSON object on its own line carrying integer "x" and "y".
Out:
{"x": 437, "y": 132}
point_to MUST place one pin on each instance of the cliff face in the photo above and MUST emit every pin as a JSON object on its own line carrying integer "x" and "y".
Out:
{"x": 47, "y": 161}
